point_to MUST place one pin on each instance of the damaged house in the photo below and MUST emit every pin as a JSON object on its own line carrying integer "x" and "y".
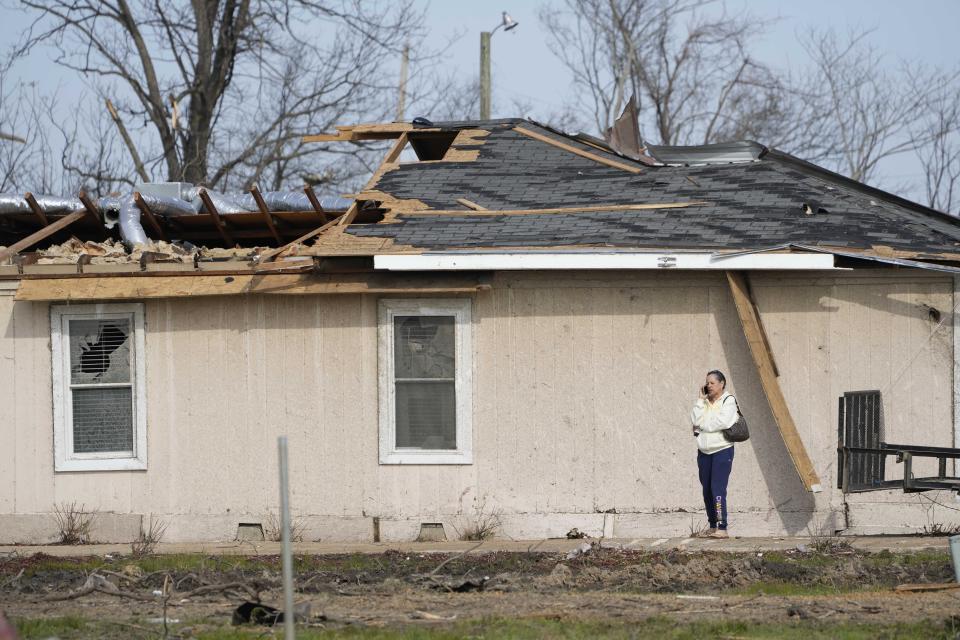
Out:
{"x": 508, "y": 322}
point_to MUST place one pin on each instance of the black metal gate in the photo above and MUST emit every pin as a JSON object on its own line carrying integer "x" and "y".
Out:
{"x": 860, "y": 427}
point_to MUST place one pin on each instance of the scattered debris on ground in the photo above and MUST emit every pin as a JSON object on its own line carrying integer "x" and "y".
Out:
{"x": 409, "y": 588}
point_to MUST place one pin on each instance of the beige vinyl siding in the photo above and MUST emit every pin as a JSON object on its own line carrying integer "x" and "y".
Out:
{"x": 582, "y": 385}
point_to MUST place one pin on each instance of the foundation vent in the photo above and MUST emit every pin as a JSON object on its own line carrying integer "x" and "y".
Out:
{"x": 250, "y": 531}
{"x": 431, "y": 532}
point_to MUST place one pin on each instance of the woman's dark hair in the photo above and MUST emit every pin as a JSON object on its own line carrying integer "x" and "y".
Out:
{"x": 719, "y": 375}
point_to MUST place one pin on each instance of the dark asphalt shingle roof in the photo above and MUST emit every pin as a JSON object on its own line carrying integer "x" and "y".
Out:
{"x": 747, "y": 205}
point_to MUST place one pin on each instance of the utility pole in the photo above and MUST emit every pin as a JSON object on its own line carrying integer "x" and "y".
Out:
{"x": 507, "y": 23}
{"x": 402, "y": 98}
{"x": 485, "y": 75}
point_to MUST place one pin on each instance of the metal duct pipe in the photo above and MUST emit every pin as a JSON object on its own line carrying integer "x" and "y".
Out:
{"x": 131, "y": 231}
{"x": 294, "y": 201}
{"x": 14, "y": 203}
{"x": 124, "y": 211}
{"x": 275, "y": 201}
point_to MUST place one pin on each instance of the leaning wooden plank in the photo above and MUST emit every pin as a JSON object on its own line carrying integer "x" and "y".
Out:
{"x": 45, "y": 232}
{"x": 578, "y": 151}
{"x": 390, "y": 160}
{"x": 178, "y": 286}
{"x": 532, "y": 212}
{"x": 749, "y": 319}
{"x": 763, "y": 328}
{"x": 267, "y": 256}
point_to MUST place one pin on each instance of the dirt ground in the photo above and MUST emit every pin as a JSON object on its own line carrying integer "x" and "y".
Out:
{"x": 834, "y": 584}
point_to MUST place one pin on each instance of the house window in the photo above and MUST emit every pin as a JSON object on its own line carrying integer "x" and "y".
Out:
{"x": 425, "y": 382}
{"x": 98, "y": 387}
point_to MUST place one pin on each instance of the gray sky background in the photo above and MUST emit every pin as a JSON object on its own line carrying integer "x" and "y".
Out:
{"x": 524, "y": 70}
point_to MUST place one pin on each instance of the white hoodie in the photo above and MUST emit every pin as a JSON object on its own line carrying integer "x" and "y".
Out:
{"x": 710, "y": 418}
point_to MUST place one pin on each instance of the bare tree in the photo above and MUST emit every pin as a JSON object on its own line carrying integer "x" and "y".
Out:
{"x": 25, "y": 159}
{"x": 940, "y": 157}
{"x": 220, "y": 92}
{"x": 690, "y": 66}
{"x": 690, "y": 70}
{"x": 865, "y": 112}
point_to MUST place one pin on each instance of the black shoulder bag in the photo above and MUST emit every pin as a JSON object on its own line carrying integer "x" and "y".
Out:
{"x": 739, "y": 431}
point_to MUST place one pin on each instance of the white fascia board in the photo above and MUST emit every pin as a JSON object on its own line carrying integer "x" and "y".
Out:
{"x": 574, "y": 261}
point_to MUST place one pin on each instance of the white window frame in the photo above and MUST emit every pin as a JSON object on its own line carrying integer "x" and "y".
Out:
{"x": 64, "y": 456}
{"x": 460, "y": 309}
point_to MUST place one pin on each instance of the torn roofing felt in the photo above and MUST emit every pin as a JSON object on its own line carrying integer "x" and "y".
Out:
{"x": 739, "y": 195}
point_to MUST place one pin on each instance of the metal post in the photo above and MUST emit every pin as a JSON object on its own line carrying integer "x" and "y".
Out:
{"x": 289, "y": 630}
{"x": 955, "y": 556}
{"x": 485, "y": 75}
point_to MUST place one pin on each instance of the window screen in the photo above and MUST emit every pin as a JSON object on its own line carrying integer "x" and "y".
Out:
{"x": 424, "y": 375}
{"x": 101, "y": 385}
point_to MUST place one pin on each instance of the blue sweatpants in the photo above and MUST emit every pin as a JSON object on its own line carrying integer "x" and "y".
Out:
{"x": 714, "y": 473}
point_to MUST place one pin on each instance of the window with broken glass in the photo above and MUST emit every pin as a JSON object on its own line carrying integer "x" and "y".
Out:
{"x": 99, "y": 419}
{"x": 425, "y": 382}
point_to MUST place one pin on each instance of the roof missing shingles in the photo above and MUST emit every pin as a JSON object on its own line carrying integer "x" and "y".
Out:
{"x": 751, "y": 199}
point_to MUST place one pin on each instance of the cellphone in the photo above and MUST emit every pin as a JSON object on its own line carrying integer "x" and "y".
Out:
{"x": 704, "y": 389}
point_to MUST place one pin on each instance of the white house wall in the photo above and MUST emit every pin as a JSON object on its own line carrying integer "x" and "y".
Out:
{"x": 582, "y": 386}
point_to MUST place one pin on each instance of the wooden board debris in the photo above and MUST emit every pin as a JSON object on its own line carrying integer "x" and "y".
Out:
{"x": 178, "y": 286}
{"x": 43, "y": 233}
{"x": 273, "y": 253}
{"x": 932, "y": 586}
{"x": 556, "y": 210}
{"x": 383, "y": 131}
{"x": 763, "y": 359}
{"x": 470, "y": 204}
{"x": 578, "y": 151}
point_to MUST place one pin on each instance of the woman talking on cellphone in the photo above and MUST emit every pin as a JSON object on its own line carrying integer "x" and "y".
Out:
{"x": 714, "y": 411}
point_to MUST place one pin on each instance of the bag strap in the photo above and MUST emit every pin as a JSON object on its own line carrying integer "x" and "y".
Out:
{"x": 735, "y": 402}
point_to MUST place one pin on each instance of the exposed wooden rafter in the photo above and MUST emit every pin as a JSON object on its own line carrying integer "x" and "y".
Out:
{"x": 267, "y": 218}
{"x": 36, "y": 208}
{"x": 147, "y": 213}
{"x": 315, "y": 202}
{"x": 217, "y": 220}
